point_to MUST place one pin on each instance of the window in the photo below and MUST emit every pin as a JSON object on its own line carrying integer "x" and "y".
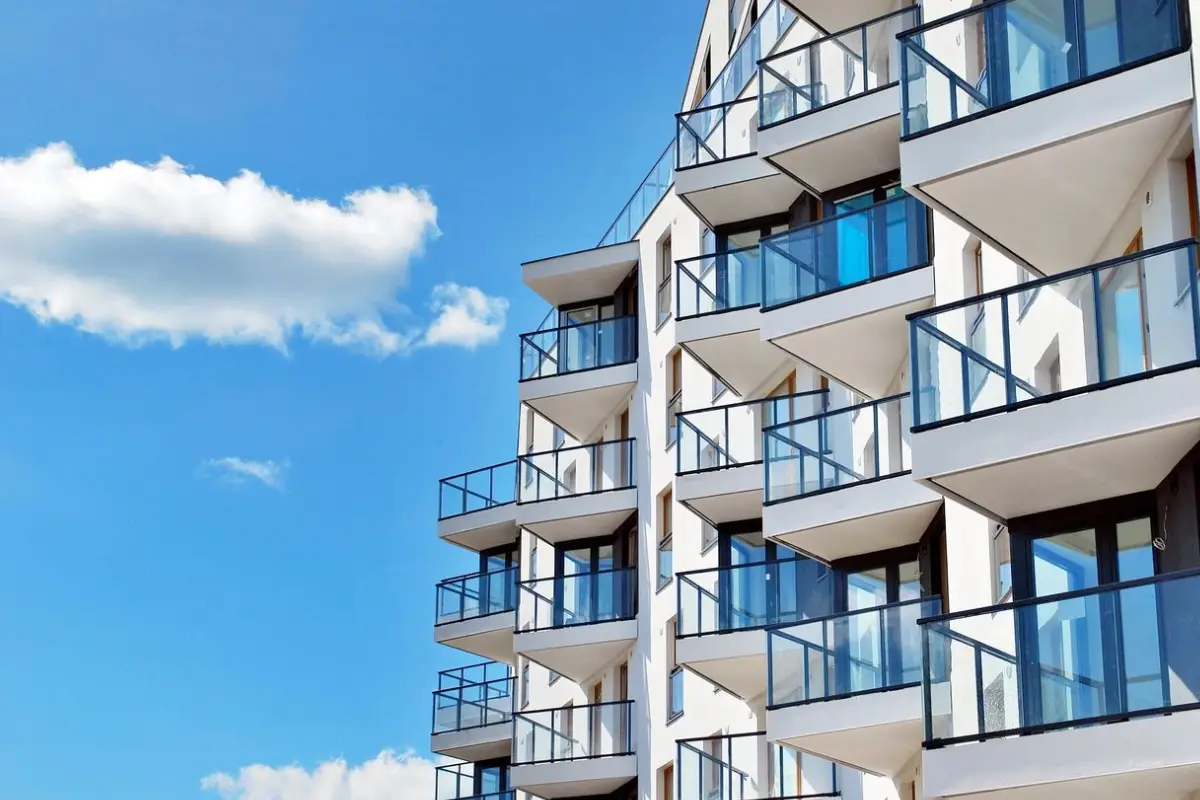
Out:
{"x": 674, "y": 676}
{"x": 560, "y": 437}
{"x": 704, "y": 79}
{"x": 569, "y": 479}
{"x": 1001, "y": 564}
{"x": 976, "y": 326}
{"x": 674, "y": 394}
{"x": 708, "y": 537}
{"x": 735, "y": 7}
{"x": 554, "y": 676}
{"x": 1182, "y": 278}
{"x": 665, "y": 269}
{"x": 525, "y": 684}
{"x": 1025, "y": 298}
{"x": 528, "y": 446}
{"x": 667, "y": 784}
{"x": 533, "y": 560}
{"x": 666, "y": 555}
{"x": 718, "y": 388}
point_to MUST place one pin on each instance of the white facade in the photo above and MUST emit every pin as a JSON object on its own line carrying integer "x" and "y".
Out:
{"x": 818, "y": 255}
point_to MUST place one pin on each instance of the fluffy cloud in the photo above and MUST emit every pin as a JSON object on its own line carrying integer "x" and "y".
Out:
{"x": 240, "y": 470}
{"x": 153, "y": 252}
{"x": 388, "y": 776}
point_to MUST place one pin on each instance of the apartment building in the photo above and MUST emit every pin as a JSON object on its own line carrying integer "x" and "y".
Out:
{"x": 859, "y": 458}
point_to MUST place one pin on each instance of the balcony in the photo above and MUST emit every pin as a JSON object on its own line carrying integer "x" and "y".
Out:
{"x": 717, "y": 317}
{"x": 476, "y": 613}
{"x": 472, "y": 712}
{"x": 1108, "y": 679}
{"x": 838, "y": 484}
{"x": 847, "y": 687}
{"x": 836, "y": 292}
{"x": 577, "y": 624}
{"x": 461, "y": 782}
{"x": 839, "y": 16}
{"x": 717, "y": 171}
{"x": 576, "y": 375}
{"x": 477, "y": 510}
{"x": 576, "y": 751}
{"x": 720, "y": 630}
{"x": 1061, "y": 391}
{"x": 747, "y": 765}
{"x": 581, "y": 276}
{"x": 577, "y": 492}
{"x": 829, "y": 110}
{"x": 718, "y": 453}
{"x": 1038, "y": 140}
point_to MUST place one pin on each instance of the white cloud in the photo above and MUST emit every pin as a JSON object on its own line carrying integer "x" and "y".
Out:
{"x": 465, "y": 316}
{"x": 388, "y": 776}
{"x": 240, "y": 470}
{"x": 140, "y": 253}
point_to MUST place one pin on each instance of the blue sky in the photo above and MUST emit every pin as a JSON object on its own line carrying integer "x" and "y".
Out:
{"x": 226, "y": 410}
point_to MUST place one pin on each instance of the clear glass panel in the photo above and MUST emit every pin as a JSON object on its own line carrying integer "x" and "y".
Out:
{"x": 578, "y": 346}
{"x": 563, "y": 734}
{"x": 853, "y": 247}
{"x": 578, "y": 597}
{"x": 832, "y": 68}
{"x": 751, "y": 595}
{"x": 570, "y": 471}
{"x": 1069, "y": 332}
{"x": 477, "y": 490}
{"x": 719, "y": 282}
{"x": 1063, "y": 661}
{"x": 1022, "y": 48}
{"x": 839, "y": 448}
{"x": 855, "y": 652}
{"x": 476, "y": 595}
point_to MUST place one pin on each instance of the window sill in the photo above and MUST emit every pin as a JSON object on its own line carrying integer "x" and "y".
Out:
{"x": 663, "y": 585}
{"x": 660, "y": 325}
{"x": 672, "y": 717}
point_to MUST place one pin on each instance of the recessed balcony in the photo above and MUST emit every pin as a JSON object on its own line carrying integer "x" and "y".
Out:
{"x": 577, "y": 624}
{"x": 840, "y": 16}
{"x": 472, "y": 712}
{"x": 576, "y": 751}
{"x": 1086, "y": 695}
{"x": 745, "y": 766}
{"x": 576, "y": 492}
{"x": 717, "y": 317}
{"x": 1039, "y": 133}
{"x": 829, "y": 110}
{"x": 718, "y": 452}
{"x": 717, "y": 171}
{"x": 476, "y": 613}
{"x": 836, "y": 292}
{"x": 839, "y": 485}
{"x": 847, "y": 686}
{"x": 1060, "y": 391}
{"x": 477, "y": 510}
{"x": 720, "y": 629}
{"x": 576, "y": 375}
{"x": 584, "y": 275}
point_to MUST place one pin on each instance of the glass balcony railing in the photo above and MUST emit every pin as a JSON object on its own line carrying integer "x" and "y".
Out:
{"x": 473, "y": 705}
{"x": 747, "y": 765}
{"x": 846, "y": 250}
{"x": 460, "y": 782}
{"x": 481, "y": 672}
{"x": 747, "y": 596}
{"x": 573, "y": 732}
{"x": 476, "y": 595}
{"x": 1087, "y": 657}
{"x": 833, "y": 68}
{"x": 575, "y": 348}
{"x": 477, "y": 490}
{"x": 574, "y": 471}
{"x": 773, "y": 22}
{"x": 1126, "y": 318}
{"x": 846, "y": 654}
{"x": 839, "y": 448}
{"x": 1022, "y": 49}
{"x": 718, "y": 282}
{"x": 580, "y": 599}
{"x": 710, "y": 134}
{"x": 731, "y": 436}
